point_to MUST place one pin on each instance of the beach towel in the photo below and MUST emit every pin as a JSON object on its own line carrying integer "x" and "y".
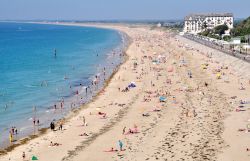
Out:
{"x": 170, "y": 69}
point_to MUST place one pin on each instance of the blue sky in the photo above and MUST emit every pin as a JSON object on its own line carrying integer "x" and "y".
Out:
{"x": 117, "y": 9}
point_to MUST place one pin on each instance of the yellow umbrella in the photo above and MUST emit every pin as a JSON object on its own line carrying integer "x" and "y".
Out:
{"x": 218, "y": 75}
{"x": 203, "y": 66}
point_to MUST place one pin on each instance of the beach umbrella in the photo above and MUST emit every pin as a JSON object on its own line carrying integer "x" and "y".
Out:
{"x": 203, "y": 66}
{"x": 218, "y": 75}
{"x": 248, "y": 126}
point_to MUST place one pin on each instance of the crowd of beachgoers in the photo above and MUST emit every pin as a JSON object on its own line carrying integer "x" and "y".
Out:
{"x": 172, "y": 99}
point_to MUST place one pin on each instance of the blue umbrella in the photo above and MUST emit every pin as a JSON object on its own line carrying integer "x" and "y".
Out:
{"x": 162, "y": 99}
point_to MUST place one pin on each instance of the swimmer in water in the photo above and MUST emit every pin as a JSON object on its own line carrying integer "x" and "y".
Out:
{"x": 65, "y": 77}
{"x": 6, "y": 106}
{"x": 55, "y": 53}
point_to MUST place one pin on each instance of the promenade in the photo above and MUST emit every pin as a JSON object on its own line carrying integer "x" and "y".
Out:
{"x": 216, "y": 46}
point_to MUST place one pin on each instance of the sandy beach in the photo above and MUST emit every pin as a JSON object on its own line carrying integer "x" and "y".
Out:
{"x": 172, "y": 99}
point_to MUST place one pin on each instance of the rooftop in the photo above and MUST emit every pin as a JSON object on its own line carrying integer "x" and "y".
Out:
{"x": 203, "y": 15}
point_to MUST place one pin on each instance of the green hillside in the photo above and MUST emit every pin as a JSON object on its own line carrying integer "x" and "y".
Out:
{"x": 242, "y": 28}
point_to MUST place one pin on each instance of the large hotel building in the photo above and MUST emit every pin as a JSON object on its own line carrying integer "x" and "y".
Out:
{"x": 195, "y": 23}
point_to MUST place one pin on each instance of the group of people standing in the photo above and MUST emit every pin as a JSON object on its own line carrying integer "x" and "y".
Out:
{"x": 12, "y": 132}
{"x": 53, "y": 126}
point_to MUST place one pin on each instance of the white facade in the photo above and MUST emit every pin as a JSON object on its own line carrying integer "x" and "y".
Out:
{"x": 159, "y": 25}
{"x": 196, "y": 23}
{"x": 235, "y": 41}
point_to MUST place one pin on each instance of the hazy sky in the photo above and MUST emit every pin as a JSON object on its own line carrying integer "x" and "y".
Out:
{"x": 117, "y": 9}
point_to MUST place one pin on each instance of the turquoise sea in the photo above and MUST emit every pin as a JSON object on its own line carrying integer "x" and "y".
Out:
{"x": 44, "y": 65}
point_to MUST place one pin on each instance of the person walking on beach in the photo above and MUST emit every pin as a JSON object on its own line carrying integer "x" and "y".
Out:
{"x": 61, "y": 105}
{"x": 11, "y": 137}
{"x": 120, "y": 145}
{"x": 83, "y": 120}
{"x": 24, "y": 156}
{"x": 15, "y": 130}
{"x": 12, "y": 130}
{"x": 61, "y": 125}
{"x": 86, "y": 90}
{"x": 124, "y": 130}
{"x": 34, "y": 121}
{"x": 52, "y": 126}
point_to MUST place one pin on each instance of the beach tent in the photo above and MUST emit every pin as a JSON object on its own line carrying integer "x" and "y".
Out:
{"x": 34, "y": 158}
{"x": 132, "y": 85}
{"x": 162, "y": 99}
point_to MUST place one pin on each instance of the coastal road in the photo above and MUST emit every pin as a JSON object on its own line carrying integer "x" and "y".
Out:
{"x": 219, "y": 48}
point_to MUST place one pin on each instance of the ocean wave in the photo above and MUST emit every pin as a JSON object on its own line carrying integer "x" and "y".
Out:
{"x": 31, "y": 86}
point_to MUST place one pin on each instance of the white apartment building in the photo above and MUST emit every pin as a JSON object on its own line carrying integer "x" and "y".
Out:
{"x": 195, "y": 23}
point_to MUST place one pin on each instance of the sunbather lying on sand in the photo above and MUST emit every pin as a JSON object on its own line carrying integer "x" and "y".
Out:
{"x": 242, "y": 87}
{"x": 102, "y": 114}
{"x": 243, "y": 102}
{"x": 54, "y": 144}
{"x": 111, "y": 150}
{"x": 146, "y": 100}
{"x": 145, "y": 115}
{"x": 125, "y": 90}
{"x": 239, "y": 110}
{"x": 84, "y": 134}
{"x": 241, "y": 130}
{"x": 130, "y": 131}
{"x": 156, "y": 110}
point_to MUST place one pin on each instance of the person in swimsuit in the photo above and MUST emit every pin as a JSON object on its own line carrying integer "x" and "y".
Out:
{"x": 120, "y": 145}
{"x": 124, "y": 130}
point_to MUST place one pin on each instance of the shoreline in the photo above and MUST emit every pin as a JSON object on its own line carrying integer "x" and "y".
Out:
{"x": 188, "y": 125}
{"x": 5, "y": 148}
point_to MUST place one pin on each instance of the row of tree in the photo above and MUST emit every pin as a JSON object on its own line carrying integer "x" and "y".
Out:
{"x": 240, "y": 30}
{"x": 216, "y": 33}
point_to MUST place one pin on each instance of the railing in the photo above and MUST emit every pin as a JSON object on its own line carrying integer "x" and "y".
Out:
{"x": 216, "y": 46}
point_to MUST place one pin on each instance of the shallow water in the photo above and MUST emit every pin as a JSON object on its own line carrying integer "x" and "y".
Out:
{"x": 33, "y": 75}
